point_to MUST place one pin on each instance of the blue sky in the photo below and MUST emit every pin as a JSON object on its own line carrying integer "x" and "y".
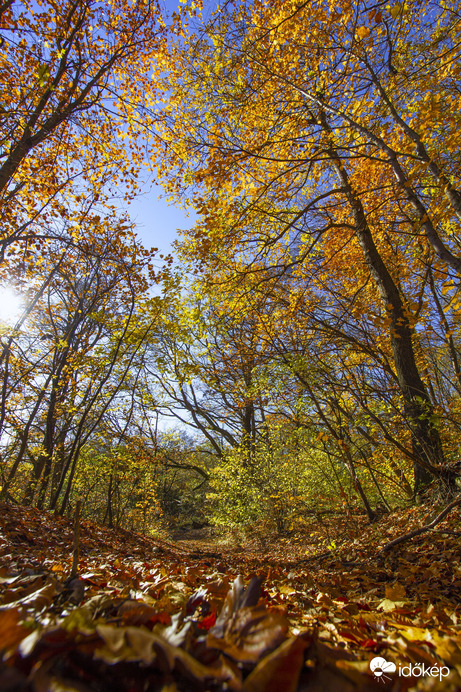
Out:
{"x": 157, "y": 222}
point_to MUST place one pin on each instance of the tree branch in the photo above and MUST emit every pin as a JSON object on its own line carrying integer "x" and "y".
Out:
{"x": 423, "y": 529}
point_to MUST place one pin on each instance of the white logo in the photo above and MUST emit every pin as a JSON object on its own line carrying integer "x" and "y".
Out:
{"x": 379, "y": 667}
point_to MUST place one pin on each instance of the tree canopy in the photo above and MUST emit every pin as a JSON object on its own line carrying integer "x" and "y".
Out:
{"x": 310, "y": 322}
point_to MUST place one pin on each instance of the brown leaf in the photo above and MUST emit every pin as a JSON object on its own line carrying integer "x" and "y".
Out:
{"x": 237, "y": 597}
{"x": 280, "y": 670}
{"x": 395, "y": 592}
{"x": 37, "y": 600}
{"x": 138, "y": 645}
{"x": 138, "y": 613}
{"x": 249, "y": 634}
{"x": 11, "y": 632}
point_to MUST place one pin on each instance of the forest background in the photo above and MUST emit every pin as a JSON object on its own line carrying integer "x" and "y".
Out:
{"x": 306, "y": 337}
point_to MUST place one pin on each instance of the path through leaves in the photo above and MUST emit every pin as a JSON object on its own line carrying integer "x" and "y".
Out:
{"x": 146, "y": 614}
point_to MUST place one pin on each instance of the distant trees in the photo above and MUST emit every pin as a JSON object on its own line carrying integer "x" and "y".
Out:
{"x": 67, "y": 363}
{"x": 205, "y": 361}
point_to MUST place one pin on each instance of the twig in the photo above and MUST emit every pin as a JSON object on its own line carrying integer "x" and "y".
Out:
{"x": 74, "y": 570}
{"x": 423, "y": 529}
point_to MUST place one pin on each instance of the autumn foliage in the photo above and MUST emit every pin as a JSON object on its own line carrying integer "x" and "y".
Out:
{"x": 289, "y": 384}
{"x": 322, "y": 158}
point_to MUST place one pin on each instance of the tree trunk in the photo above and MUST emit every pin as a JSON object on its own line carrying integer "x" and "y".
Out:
{"x": 418, "y": 408}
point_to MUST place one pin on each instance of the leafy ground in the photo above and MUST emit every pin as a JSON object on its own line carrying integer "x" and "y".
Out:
{"x": 147, "y": 614}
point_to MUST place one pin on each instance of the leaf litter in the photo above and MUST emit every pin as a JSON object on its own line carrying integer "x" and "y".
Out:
{"x": 146, "y": 614}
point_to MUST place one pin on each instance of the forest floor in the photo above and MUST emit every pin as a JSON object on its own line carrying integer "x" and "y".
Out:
{"x": 304, "y": 613}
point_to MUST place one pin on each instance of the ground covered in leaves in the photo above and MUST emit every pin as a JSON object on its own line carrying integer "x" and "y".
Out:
{"x": 146, "y": 615}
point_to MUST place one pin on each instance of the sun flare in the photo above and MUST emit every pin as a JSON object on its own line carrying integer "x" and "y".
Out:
{"x": 11, "y": 305}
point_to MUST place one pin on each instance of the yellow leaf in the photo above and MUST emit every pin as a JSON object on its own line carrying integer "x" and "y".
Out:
{"x": 362, "y": 32}
{"x": 387, "y": 605}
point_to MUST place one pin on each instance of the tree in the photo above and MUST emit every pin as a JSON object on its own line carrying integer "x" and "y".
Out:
{"x": 78, "y": 91}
